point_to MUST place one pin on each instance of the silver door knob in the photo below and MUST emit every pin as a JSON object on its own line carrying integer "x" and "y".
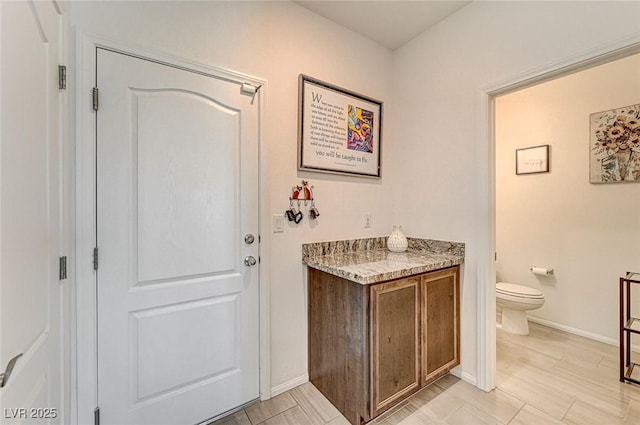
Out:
{"x": 249, "y": 261}
{"x": 4, "y": 377}
{"x": 249, "y": 238}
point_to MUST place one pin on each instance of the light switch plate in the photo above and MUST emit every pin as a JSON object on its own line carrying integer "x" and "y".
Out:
{"x": 278, "y": 223}
{"x": 366, "y": 220}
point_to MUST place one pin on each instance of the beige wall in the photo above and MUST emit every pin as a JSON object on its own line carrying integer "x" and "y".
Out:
{"x": 275, "y": 41}
{"x": 430, "y": 87}
{"x": 438, "y": 162}
{"x": 588, "y": 233}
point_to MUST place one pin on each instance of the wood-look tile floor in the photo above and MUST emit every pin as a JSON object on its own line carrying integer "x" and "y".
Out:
{"x": 546, "y": 378}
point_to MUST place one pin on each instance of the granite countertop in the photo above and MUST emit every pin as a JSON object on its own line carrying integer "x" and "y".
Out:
{"x": 368, "y": 261}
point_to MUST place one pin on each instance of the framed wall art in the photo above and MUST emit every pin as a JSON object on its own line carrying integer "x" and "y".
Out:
{"x": 615, "y": 145}
{"x": 339, "y": 131}
{"x": 532, "y": 160}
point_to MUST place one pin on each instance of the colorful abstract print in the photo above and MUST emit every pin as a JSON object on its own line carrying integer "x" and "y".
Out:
{"x": 360, "y": 132}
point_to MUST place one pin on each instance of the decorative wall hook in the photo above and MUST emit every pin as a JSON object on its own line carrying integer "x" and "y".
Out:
{"x": 301, "y": 194}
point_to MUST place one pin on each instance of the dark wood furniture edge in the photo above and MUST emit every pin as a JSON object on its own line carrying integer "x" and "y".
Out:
{"x": 344, "y": 348}
{"x": 626, "y": 318}
{"x": 357, "y": 407}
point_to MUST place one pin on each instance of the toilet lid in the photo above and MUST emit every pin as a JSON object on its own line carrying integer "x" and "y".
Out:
{"x": 518, "y": 290}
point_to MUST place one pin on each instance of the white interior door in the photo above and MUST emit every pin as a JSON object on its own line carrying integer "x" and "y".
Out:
{"x": 177, "y": 190}
{"x": 30, "y": 239}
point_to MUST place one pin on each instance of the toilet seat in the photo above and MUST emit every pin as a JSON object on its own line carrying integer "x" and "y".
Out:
{"x": 513, "y": 291}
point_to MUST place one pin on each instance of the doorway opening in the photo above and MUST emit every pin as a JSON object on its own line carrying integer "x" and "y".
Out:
{"x": 558, "y": 218}
{"x": 487, "y": 254}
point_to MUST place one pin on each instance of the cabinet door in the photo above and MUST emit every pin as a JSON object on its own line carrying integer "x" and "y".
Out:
{"x": 395, "y": 340}
{"x": 440, "y": 313}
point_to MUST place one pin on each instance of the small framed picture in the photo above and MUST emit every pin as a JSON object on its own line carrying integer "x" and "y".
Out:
{"x": 532, "y": 160}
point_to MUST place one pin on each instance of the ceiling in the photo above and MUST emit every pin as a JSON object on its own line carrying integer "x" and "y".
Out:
{"x": 390, "y": 23}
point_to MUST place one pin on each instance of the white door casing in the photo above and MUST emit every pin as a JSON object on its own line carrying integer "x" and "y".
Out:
{"x": 177, "y": 190}
{"x": 31, "y": 211}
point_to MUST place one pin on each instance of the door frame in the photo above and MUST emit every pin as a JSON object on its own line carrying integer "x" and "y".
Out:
{"x": 84, "y": 346}
{"x": 486, "y": 187}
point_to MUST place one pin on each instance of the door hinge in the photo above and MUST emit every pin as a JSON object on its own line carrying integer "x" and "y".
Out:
{"x": 95, "y": 258}
{"x": 62, "y": 77}
{"x": 63, "y": 267}
{"x": 96, "y": 416}
{"x": 95, "y": 98}
{"x": 495, "y": 256}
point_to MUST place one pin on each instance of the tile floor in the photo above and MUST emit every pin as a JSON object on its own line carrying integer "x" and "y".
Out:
{"x": 546, "y": 378}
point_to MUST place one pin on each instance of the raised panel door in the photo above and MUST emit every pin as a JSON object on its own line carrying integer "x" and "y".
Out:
{"x": 395, "y": 340}
{"x": 32, "y": 297}
{"x": 176, "y": 193}
{"x": 440, "y": 313}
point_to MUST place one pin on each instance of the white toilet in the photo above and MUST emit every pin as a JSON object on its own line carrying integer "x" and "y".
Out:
{"x": 515, "y": 300}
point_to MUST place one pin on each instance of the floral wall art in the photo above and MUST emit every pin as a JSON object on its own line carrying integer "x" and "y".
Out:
{"x": 615, "y": 145}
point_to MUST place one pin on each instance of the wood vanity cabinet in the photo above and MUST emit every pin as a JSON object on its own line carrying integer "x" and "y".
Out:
{"x": 371, "y": 346}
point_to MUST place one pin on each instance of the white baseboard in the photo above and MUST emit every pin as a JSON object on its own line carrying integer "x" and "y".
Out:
{"x": 573, "y": 330}
{"x": 292, "y": 383}
{"x": 467, "y": 377}
{"x": 457, "y": 372}
{"x": 579, "y": 332}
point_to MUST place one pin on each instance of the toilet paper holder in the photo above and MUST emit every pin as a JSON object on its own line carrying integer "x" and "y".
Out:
{"x": 541, "y": 271}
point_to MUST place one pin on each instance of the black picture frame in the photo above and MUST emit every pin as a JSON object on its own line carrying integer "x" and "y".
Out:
{"x": 339, "y": 131}
{"x": 532, "y": 160}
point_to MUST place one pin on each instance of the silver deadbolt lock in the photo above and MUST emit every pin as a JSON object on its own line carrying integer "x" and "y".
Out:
{"x": 249, "y": 261}
{"x": 249, "y": 238}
